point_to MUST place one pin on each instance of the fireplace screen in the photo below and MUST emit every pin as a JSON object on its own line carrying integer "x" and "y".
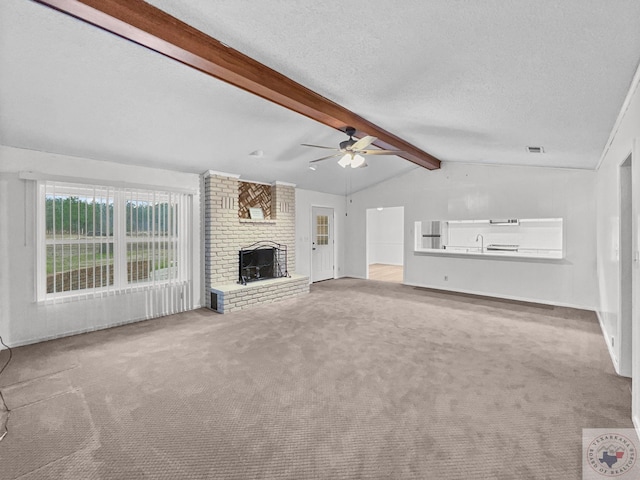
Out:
{"x": 261, "y": 261}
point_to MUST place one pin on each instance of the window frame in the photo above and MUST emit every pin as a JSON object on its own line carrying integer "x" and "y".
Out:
{"x": 180, "y": 239}
{"x": 322, "y": 230}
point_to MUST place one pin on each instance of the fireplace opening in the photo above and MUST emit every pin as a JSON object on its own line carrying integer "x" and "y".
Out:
{"x": 261, "y": 261}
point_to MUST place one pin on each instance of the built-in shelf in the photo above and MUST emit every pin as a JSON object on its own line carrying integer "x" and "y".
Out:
{"x": 516, "y": 238}
{"x": 248, "y": 220}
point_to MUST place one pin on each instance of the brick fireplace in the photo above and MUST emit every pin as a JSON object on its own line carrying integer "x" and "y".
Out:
{"x": 226, "y": 233}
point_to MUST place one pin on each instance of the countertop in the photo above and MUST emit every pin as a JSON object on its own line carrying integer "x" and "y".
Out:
{"x": 475, "y": 252}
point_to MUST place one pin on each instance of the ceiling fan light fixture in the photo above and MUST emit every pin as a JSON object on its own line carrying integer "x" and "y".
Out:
{"x": 357, "y": 161}
{"x": 353, "y": 151}
{"x": 312, "y": 167}
{"x": 345, "y": 160}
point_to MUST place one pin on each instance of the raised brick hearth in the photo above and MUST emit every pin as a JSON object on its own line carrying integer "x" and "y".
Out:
{"x": 225, "y": 234}
{"x": 234, "y": 296}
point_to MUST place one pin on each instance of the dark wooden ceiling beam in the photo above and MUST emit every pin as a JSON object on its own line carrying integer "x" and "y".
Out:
{"x": 142, "y": 23}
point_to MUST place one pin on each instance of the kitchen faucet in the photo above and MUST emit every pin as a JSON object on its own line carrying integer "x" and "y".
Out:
{"x": 479, "y": 236}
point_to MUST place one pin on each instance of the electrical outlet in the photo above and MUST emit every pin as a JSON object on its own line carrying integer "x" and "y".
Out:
{"x": 612, "y": 342}
{"x": 446, "y": 278}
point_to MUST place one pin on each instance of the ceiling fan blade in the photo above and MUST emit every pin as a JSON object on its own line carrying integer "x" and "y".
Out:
{"x": 364, "y": 142}
{"x": 318, "y": 146}
{"x": 326, "y": 158}
{"x": 380, "y": 152}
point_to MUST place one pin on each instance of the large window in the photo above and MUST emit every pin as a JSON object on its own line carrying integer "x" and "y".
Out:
{"x": 151, "y": 236}
{"x": 101, "y": 239}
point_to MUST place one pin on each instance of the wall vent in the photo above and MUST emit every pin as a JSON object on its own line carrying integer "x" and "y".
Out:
{"x": 214, "y": 301}
{"x": 227, "y": 203}
{"x": 285, "y": 207}
{"x": 535, "y": 149}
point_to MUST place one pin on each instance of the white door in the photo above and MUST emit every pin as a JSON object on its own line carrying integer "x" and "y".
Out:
{"x": 321, "y": 244}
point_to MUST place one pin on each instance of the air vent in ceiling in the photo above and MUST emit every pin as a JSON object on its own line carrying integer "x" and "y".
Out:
{"x": 535, "y": 149}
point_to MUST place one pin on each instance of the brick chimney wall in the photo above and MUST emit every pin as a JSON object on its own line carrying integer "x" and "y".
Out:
{"x": 225, "y": 233}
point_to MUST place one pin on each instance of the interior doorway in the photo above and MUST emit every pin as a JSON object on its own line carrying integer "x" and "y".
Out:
{"x": 322, "y": 244}
{"x": 626, "y": 262}
{"x": 385, "y": 244}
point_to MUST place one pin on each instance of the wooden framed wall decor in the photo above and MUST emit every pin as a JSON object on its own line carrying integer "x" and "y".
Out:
{"x": 254, "y": 196}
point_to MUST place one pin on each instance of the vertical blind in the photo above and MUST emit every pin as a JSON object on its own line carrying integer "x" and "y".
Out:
{"x": 99, "y": 240}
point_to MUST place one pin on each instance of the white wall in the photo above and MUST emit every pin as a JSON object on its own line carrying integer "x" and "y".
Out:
{"x": 622, "y": 142}
{"x": 474, "y": 192}
{"x": 385, "y": 235}
{"x": 22, "y": 320}
{"x": 305, "y": 199}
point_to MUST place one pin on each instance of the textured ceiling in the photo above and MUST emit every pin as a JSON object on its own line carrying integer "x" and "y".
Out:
{"x": 464, "y": 81}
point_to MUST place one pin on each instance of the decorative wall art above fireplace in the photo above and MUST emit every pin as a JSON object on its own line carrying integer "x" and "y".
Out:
{"x": 254, "y": 197}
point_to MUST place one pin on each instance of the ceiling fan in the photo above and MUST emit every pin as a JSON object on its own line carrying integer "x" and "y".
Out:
{"x": 352, "y": 151}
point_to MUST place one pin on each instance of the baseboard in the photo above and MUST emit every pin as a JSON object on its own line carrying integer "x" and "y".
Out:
{"x": 71, "y": 333}
{"x": 606, "y": 336}
{"x": 311, "y": 282}
{"x": 505, "y": 297}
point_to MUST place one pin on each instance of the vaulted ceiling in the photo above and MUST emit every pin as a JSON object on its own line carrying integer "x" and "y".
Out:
{"x": 464, "y": 81}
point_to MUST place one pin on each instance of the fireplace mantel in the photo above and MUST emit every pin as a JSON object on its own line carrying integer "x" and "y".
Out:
{"x": 262, "y": 222}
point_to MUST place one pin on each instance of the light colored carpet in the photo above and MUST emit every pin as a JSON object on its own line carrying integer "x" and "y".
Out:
{"x": 386, "y": 273}
{"x": 356, "y": 380}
